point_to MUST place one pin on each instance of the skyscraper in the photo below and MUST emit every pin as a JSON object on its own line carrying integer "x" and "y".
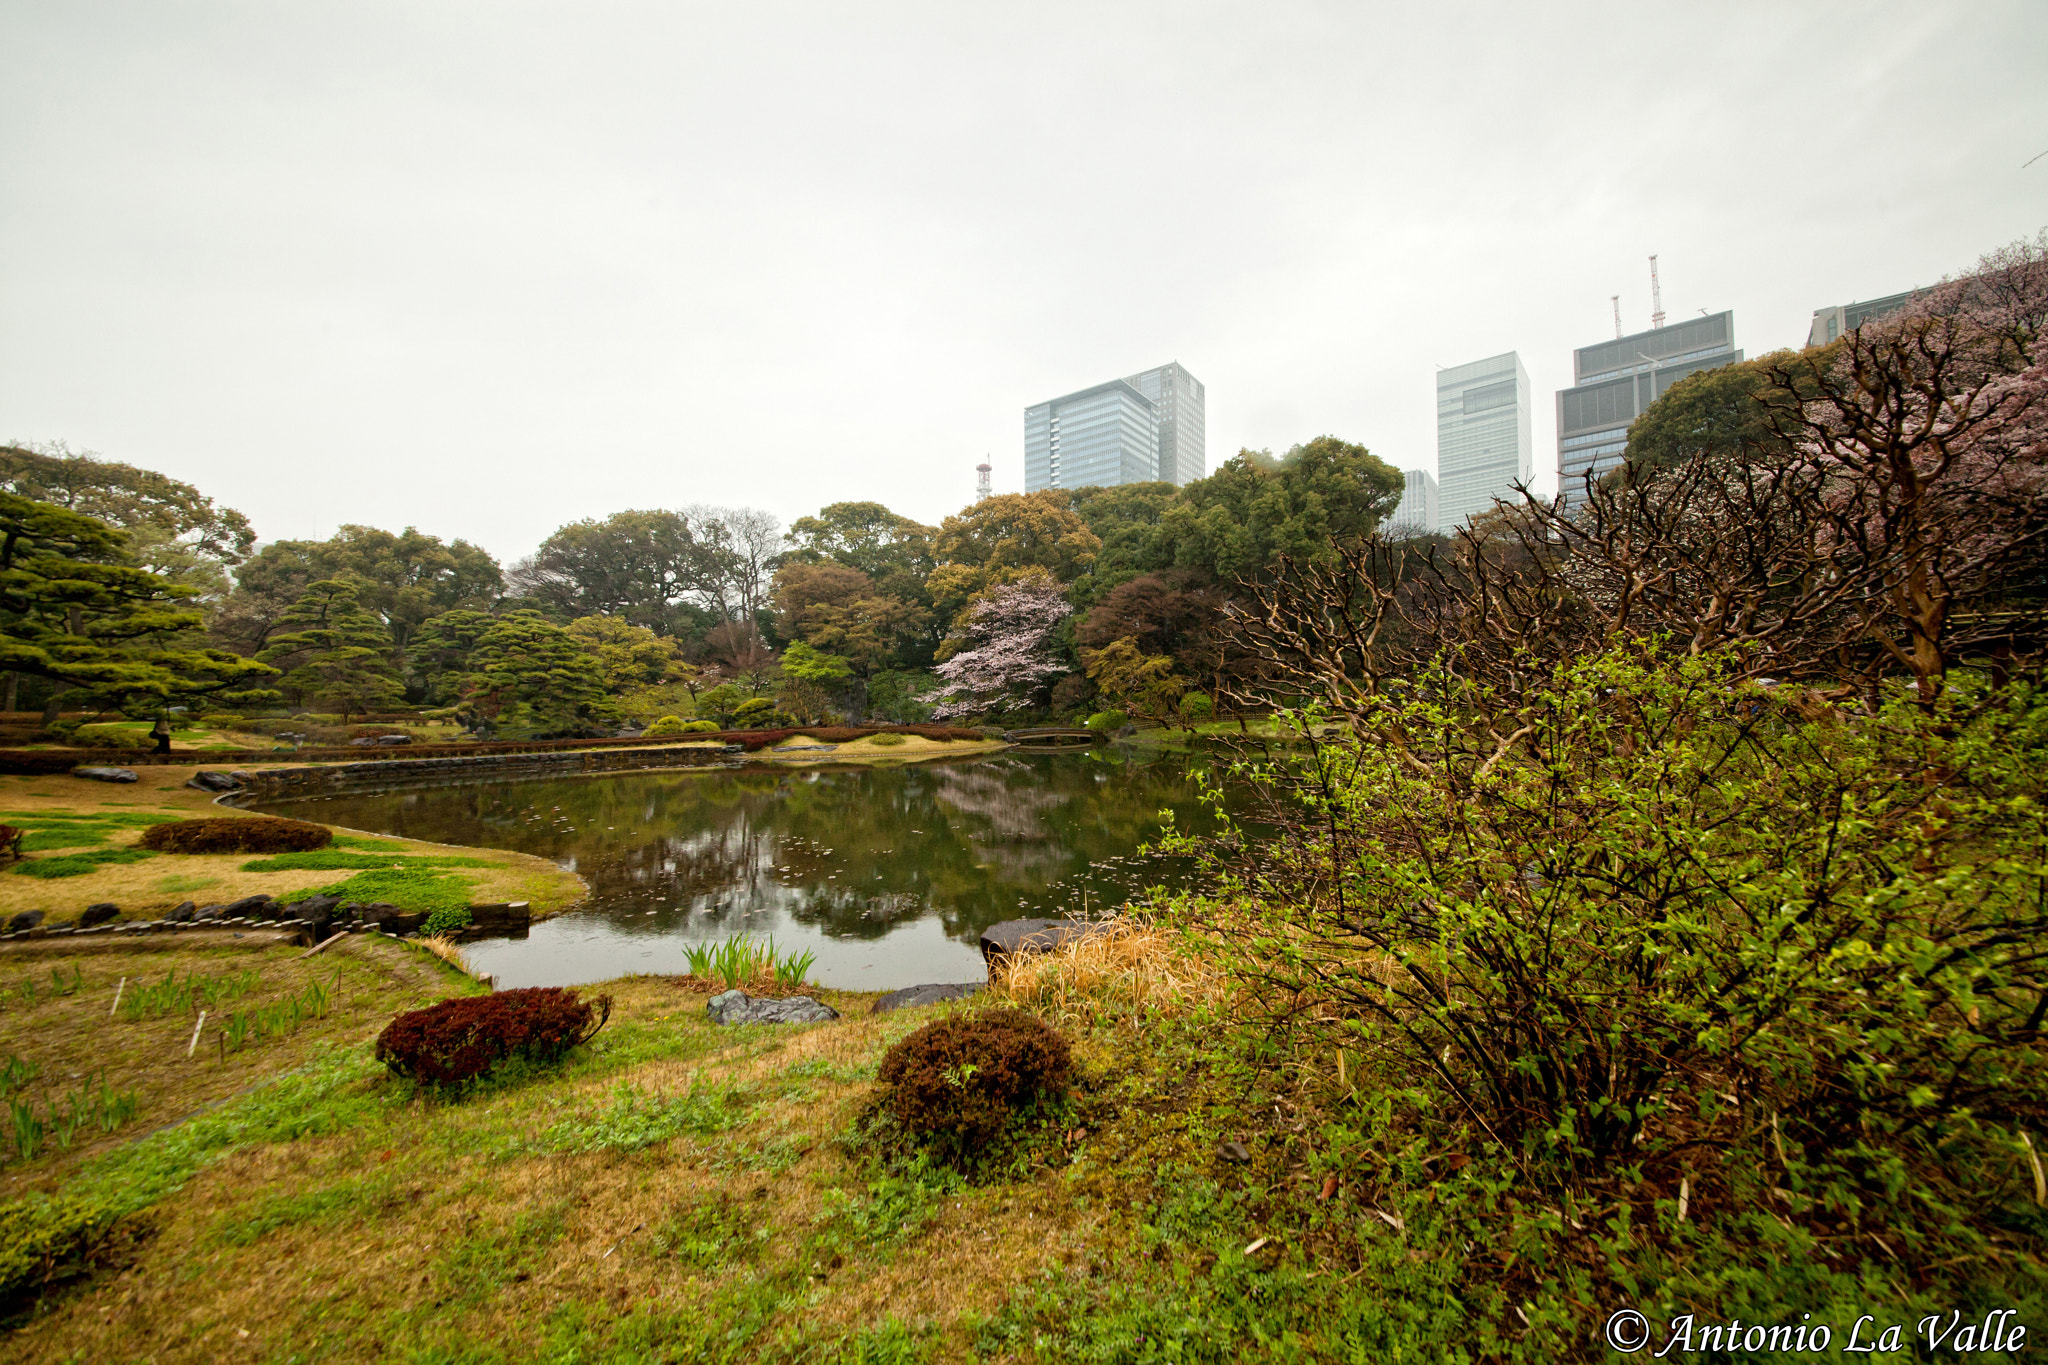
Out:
{"x": 1135, "y": 430}
{"x": 1417, "y": 514}
{"x": 1829, "y": 323}
{"x": 1613, "y": 382}
{"x": 1483, "y": 436}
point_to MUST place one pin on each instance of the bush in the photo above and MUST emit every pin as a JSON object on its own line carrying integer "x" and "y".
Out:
{"x": 109, "y": 737}
{"x": 887, "y": 741}
{"x": 699, "y": 727}
{"x": 221, "y": 720}
{"x": 1196, "y": 706}
{"x": 30, "y": 763}
{"x": 1108, "y": 720}
{"x": 757, "y": 713}
{"x": 962, "y": 1078}
{"x": 228, "y": 834}
{"x": 667, "y": 725}
{"x": 449, "y": 919}
{"x": 42, "y": 1238}
{"x": 461, "y": 1039}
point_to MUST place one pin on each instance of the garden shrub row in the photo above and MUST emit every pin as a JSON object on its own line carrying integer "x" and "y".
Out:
{"x": 237, "y": 834}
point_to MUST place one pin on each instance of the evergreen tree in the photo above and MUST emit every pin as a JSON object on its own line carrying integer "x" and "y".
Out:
{"x": 334, "y": 651}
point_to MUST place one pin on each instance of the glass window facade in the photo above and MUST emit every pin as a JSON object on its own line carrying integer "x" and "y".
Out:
{"x": 1135, "y": 430}
{"x": 1617, "y": 380}
{"x": 1484, "y": 436}
{"x": 1417, "y": 514}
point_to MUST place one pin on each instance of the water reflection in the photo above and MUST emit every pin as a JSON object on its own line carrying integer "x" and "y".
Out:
{"x": 888, "y": 874}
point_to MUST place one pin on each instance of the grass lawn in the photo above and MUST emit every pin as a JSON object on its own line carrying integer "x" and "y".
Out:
{"x": 681, "y": 1192}
{"x": 74, "y": 821}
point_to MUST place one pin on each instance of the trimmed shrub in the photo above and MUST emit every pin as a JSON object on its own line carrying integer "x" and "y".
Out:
{"x": 887, "y": 741}
{"x": 667, "y": 725}
{"x": 1197, "y": 706}
{"x": 1108, "y": 720}
{"x": 461, "y": 1039}
{"x": 109, "y": 737}
{"x": 31, "y": 763}
{"x": 221, "y": 720}
{"x": 247, "y": 834}
{"x": 44, "y": 1239}
{"x": 962, "y": 1078}
{"x": 699, "y": 727}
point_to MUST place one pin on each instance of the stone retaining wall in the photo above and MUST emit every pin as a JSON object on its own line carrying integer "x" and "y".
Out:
{"x": 333, "y": 779}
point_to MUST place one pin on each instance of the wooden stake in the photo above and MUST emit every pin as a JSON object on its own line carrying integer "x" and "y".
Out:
{"x": 193, "y": 1045}
{"x": 117, "y": 997}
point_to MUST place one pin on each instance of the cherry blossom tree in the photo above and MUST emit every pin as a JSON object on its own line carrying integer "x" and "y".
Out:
{"x": 1013, "y": 655}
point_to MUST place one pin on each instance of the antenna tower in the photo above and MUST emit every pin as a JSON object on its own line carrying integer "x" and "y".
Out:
{"x": 1656, "y": 297}
{"x": 1617, "y": 317}
{"x": 981, "y": 473}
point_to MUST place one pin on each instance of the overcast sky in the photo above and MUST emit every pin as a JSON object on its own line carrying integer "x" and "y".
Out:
{"x": 487, "y": 268}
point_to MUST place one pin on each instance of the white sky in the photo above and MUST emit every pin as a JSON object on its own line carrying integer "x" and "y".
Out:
{"x": 489, "y": 267}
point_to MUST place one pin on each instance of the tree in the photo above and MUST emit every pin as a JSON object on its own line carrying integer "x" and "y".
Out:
{"x": 628, "y": 656}
{"x": 1126, "y": 519}
{"x": 173, "y": 530}
{"x": 742, "y": 546}
{"x": 810, "y": 676}
{"x": 893, "y": 551}
{"x": 334, "y": 651}
{"x": 839, "y": 609}
{"x": 1004, "y": 538}
{"x": 1013, "y": 655}
{"x": 1179, "y": 613}
{"x": 738, "y": 649}
{"x": 529, "y": 678}
{"x": 639, "y": 565}
{"x": 1140, "y": 683}
{"x": 405, "y": 579}
{"x": 1241, "y": 519}
{"x": 73, "y": 615}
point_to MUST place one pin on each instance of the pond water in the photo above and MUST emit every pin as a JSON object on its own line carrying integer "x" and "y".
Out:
{"x": 888, "y": 874}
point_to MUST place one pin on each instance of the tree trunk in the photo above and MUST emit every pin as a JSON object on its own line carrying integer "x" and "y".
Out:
{"x": 54, "y": 707}
{"x": 13, "y": 690}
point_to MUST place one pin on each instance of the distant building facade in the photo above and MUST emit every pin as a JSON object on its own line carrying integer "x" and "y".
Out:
{"x": 1829, "y": 323}
{"x": 1149, "y": 426}
{"x": 1484, "y": 436}
{"x": 1417, "y": 514}
{"x": 1613, "y": 382}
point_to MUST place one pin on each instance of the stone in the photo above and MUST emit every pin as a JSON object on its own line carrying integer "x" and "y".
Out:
{"x": 910, "y": 997}
{"x": 501, "y": 915}
{"x": 313, "y": 905}
{"x": 210, "y": 912}
{"x": 1031, "y": 936}
{"x": 27, "y": 919}
{"x": 183, "y": 914}
{"x": 1234, "y": 1151}
{"x": 99, "y": 914}
{"x": 208, "y": 781}
{"x": 105, "y": 774}
{"x": 388, "y": 741}
{"x": 246, "y": 905}
{"x": 737, "y": 1007}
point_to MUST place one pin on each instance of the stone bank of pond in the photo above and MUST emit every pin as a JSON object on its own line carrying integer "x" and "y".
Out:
{"x": 889, "y": 875}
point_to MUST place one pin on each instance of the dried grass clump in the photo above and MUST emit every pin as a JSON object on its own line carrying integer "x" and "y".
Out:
{"x": 1124, "y": 968}
{"x": 443, "y": 947}
{"x": 245, "y": 834}
{"x": 460, "y": 1039}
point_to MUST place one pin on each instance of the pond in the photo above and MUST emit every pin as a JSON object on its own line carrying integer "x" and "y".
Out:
{"x": 888, "y": 875}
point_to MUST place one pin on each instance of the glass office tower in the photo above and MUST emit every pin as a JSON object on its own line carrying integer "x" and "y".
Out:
{"x": 1614, "y": 381}
{"x": 1135, "y": 430}
{"x": 1417, "y": 514}
{"x": 1484, "y": 436}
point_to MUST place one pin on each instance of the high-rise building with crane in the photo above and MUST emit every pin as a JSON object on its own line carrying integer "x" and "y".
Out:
{"x": 1613, "y": 381}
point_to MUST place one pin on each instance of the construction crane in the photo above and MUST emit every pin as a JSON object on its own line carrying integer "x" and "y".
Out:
{"x": 1656, "y": 297}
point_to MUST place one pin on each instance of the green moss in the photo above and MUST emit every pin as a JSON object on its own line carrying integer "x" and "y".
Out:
{"x": 408, "y": 888}
{"x": 78, "y": 864}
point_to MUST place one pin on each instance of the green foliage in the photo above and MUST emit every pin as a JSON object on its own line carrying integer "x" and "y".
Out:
{"x": 79, "y": 864}
{"x": 1108, "y": 720}
{"x": 143, "y": 1000}
{"x": 1642, "y": 931}
{"x": 520, "y": 673}
{"x": 901, "y": 1199}
{"x": 1240, "y": 520}
{"x": 74, "y": 612}
{"x": 403, "y": 580}
{"x": 408, "y": 888}
{"x": 896, "y": 696}
{"x": 629, "y": 656}
{"x": 887, "y": 740}
{"x": 41, "y": 1238}
{"x": 449, "y": 919}
{"x": 668, "y": 725}
{"x": 334, "y": 651}
{"x": 635, "y": 1119}
{"x": 1196, "y": 706}
{"x": 738, "y": 960}
{"x": 280, "y": 1018}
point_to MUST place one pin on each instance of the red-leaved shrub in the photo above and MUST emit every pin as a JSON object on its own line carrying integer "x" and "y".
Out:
{"x": 237, "y": 834}
{"x": 964, "y": 1076}
{"x": 462, "y": 1038}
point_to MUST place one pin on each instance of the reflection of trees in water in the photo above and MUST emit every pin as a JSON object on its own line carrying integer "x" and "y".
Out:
{"x": 855, "y": 853}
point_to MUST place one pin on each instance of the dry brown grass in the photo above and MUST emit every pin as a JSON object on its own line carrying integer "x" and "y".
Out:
{"x": 914, "y": 748}
{"x": 1126, "y": 968}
